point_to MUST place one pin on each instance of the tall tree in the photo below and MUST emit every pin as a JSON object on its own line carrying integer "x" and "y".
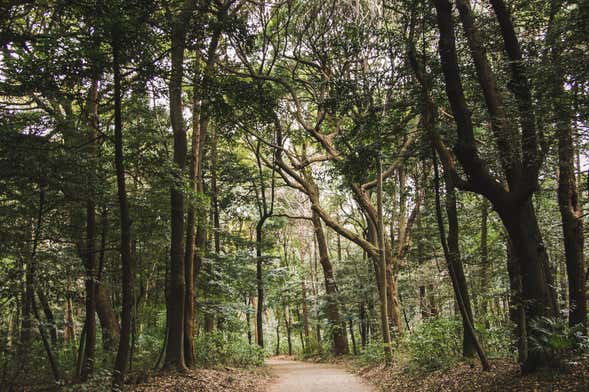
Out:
{"x": 519, "y": 154}
{"x": 124, "y": 351}
{"x": 568, "y": 195}
{"x": 176, "y": 280}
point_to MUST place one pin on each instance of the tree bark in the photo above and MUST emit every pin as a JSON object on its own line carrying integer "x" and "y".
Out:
{"x": 452, "y": 255}
{"x": 90, "y": 248}
{"x": 455, "y": 264}
{"x": 124, "y": 350}
{"x": 514, "y": 205}
{"x": 107, "y": 317}
{"x": 48, "y": 315}
{"x": 338, "y": 331}
{"x": 175, "y": 306}
{"x": 259, "y": 283}
{"x": 189, "y": 256}
{"x": 386, "y": 334}
{"x": 568, "y": 195}
{"x": 484, "y": 252}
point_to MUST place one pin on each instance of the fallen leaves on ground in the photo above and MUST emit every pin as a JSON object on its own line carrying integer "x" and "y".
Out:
{"x": 466, "y": 377}
{"x": 206, "y": 380}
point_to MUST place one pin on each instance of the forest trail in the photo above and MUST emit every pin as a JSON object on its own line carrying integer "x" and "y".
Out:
{"x": 296, "y": 376}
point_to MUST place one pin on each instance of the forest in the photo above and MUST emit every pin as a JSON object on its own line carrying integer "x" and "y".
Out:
{"x": 194, "y": 191}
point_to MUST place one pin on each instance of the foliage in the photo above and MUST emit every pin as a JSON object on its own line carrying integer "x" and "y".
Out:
{"x": 557, "y": 340}
{"x": 372, "y": 354}
{"x": 436, "y": 343}
{"x": 218, "y": 348}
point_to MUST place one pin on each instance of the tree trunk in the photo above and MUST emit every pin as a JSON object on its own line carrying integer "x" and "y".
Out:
{"x": 386, "y": 334}
{"x": 278, "y": 336}
{"x": 516, "y": 308}
{"x": 338, "y": 331}
{"x": 189, "y": 256}
{"x": 363, "y": 325}
{"x": 48, "y": 315}
{"x": 519, "y": 153}
{"x": 288, "y": 323}
{"x": 122, "y": 360}
{"x": 69, "y": 332}
{"x": 537, "y": 295}
{"x": 248, "y": 320}
{"x": 484, "y": 251}
{"x": 452, "y": 255}
{"x": 305, "y": 306}
{"x": 455, "y": 263}
{"x": 353, "y": 337}
{"x": 90, "y": 248}
{"x": 568, "y": 195}
{"x": 260, "y": 284}
{"x": 108, "y": 318}
{"x": 175, "y": 305}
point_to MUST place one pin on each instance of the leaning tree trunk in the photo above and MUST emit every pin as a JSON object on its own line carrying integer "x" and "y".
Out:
{"x": 452, "y": 256}
{"x": 455, "y": 263}
{"x": 519, "y": 154}
{"x": 338, "y": 331}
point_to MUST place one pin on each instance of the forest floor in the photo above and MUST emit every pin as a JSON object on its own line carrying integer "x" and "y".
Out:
{"x": 468, "y": 377}
{"x": 207, "y": 380}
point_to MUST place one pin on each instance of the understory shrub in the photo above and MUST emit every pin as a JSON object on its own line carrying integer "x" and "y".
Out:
{"x": 373, "y": 354}
{"x": 217, "y": 348}
{"x": 557, "y": 340}
{"x": 436, "y": 343}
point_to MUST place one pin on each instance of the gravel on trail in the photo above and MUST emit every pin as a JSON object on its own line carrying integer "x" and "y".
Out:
{"x": 296, "y": 376}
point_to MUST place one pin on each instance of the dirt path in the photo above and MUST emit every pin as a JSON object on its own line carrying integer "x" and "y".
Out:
{"x": 295, "y": 376}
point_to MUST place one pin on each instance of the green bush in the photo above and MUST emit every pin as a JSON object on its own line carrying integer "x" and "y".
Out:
{"x": 436, "y": 343}
{"x": 373, "y": 354}
{"x": 497, "y": 339}
{"x": 556, "y": 340}
{"x": 216, "y": 348}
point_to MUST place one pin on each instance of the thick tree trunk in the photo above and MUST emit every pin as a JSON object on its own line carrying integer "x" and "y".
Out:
{"x": 516, "y": 308}
{"x": 568, "y": 195}
{"x": 338, "y": 331}
{"x": 108, "y": 318}
{"x": 175, "y": 305}
{"x": 537, "y": 293}
{"x": 123, "y": 354}
{"x": 519, "y": 154}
